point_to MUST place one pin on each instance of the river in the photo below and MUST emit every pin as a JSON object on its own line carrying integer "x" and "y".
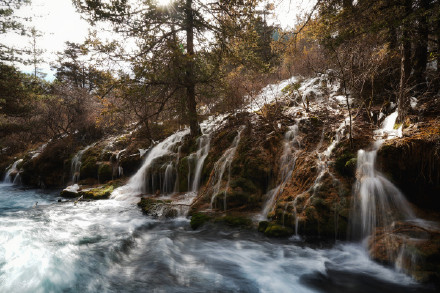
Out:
{"x": 110, "y": 246}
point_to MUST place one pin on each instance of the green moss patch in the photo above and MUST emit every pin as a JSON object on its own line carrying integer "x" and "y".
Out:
{"x": 102, "y": 192}
{"x": 275, "y": 230}
{"x": 235, "y": 221}
{"x": 198, "y": 220}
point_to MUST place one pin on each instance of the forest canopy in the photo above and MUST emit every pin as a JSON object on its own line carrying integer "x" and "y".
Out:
{"x": 181, "y": 60}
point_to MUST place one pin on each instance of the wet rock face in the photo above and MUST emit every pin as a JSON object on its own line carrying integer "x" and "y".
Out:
{"x": 413, "y": 164}
{"x": 251, "y": 170}
{"x": 158, "y": 208}
{"x": 413, "y": 248}
{"x": 49, "y": 168}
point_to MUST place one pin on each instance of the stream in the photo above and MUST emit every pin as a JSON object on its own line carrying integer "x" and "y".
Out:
{"x": 110, "y": 246}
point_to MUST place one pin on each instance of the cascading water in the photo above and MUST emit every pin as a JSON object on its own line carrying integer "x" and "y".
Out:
{"x": 323, "y": 168}
{"x": 109, "y": 246}
{"x": 291, "y": 146}
{"x": 138, "y": 184}
{"x": 176, "y": 184}
{"x": 13, "y": 171}
{"x": 376, "y": 201}
{"x": 75, "y": 167}
{"x": 204, "y": 143}
{"x": 220, "y": 166}
{"x": 168, "y": 181}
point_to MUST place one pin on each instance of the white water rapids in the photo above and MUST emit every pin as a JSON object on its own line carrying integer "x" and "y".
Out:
{"x": 109, "y": 246}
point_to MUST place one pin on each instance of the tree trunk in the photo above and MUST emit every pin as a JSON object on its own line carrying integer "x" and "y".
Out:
{"x": 405, "y": 66}
{"x": 190, "y": 81}
{"x": 438, "y": 42}
{"x": 421, "y": 49}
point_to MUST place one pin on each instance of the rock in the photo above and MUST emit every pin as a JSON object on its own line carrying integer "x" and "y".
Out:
{"x": 71, "y": 191}
{"x": 275, "y": 230}
{"x": 102, "y": 192}
{"x": 262, "y": 226}
{"x": 198, "y": 220}
{"x": 157, "y": 207}
{"x": 410, "y": 247}
{"x": 413, "y": 164}
{"x": 105, "y": 172}
{"x": 235, "y": 221}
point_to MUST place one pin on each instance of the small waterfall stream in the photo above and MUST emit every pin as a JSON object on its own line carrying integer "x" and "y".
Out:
{"x": 220, "y": 166}
{"x": 291, "y": 146}
{"x": 139, "y": 183}
{"x": 75, "y": 167}
{"x": 376, "y": 201}
{"x": 13, "y": 170}
{"x": 204, "y": 143}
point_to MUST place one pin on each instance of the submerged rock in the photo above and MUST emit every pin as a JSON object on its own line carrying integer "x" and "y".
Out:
{"x": 412, "y": 247}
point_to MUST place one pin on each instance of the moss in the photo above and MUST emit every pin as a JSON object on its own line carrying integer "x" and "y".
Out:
{"x": 262, "y": 226}
{"x": 105, "y": 172}
{"x": 237, "y": 198}
{"x": 198, "y": 219}
{"x": 291, "y": 88}
{"x": 346, "y": 164}
{"x": 235, "y": 221}
{"x": 189, "y": 145}
{"x": 275, "y": 230}
{"x": 171, "y": 213}
{"x": 102, "y": 192}
{"x": 149, "y": 205}
{"x": 183, "y": 174}
{"x": 244, "y": 184}
{"x": 89, "y": 168}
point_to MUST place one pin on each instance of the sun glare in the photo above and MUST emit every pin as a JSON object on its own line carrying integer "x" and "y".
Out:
{"x": 163, "y": 2}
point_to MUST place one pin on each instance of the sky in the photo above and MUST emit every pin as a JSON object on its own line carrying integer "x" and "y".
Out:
{"x": 59, "y": 22}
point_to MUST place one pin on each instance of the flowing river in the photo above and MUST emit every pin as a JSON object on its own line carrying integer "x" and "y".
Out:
{"x": 110, "y": 246}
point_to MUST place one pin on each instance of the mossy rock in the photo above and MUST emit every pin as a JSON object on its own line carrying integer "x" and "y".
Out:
{"x": 69, "y": 194}
{"x": 346, "y": 164}
{"x": 275, "y": 230}
{"x": 150, "y": 206}
{"x": 235, "y": 221}
{"x": 170, "y": 213}
{"x": 102, "y": 192}
{"x": 244, "y": 184}
{"x": 262, "y": 226}
{"x": 89, "y": 168}
{"x": 105, "y": 172}
{"x": 130, "y": 163}
{"x": 198, "y": 220}
{"x": 183, "y": 174}
{"x": 189, "y": 145}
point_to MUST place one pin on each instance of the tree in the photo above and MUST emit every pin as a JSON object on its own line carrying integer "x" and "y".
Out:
{"x": 35, "y": 53}
{"x": 10, "y": 23}
{"x": 186, "y": 28}
{"x": 75, "y": 68}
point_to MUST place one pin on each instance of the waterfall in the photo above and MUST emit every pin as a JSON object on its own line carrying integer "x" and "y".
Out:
{"x": 168, "y": 182}
{"x": 13, "y": 171}
{"x": 176, "y": 184}
{"x": 376, "y": 201}
{"x": 75, "y": 166}
{"x": 220, "y": 167}
{"x": 139, "y": 183}
{"x": 291, "y": 147}
{"x": 204, "y": 143}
